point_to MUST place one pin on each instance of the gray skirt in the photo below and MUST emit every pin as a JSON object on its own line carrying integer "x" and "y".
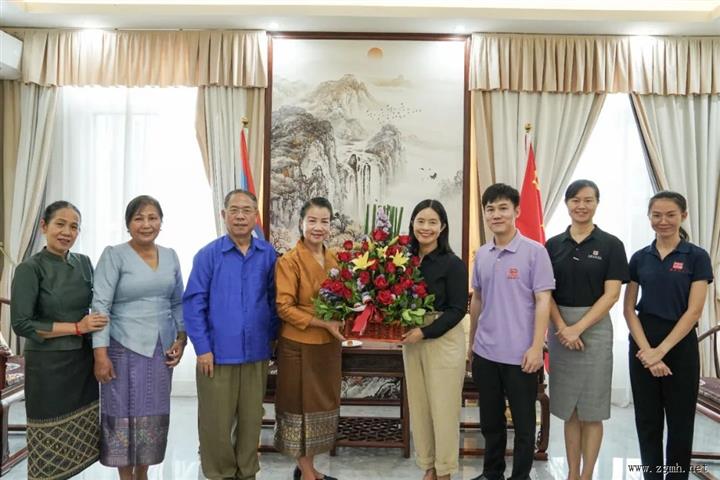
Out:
{"x": 581, "y": 379}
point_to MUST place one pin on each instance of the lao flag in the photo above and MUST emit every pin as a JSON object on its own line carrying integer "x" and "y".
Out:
{"x": 246, "y": 179}
{"x": 530, "y": 222}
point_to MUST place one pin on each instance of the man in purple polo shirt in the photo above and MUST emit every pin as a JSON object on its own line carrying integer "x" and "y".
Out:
{"x": 510, "y": 310}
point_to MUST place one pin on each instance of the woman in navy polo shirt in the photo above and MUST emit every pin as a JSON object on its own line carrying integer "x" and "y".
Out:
{"x": 590, "y": 266}
{"x": 664, "y": 363}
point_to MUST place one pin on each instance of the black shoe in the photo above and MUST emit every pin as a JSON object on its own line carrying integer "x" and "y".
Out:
{"x": 297, "y": 475}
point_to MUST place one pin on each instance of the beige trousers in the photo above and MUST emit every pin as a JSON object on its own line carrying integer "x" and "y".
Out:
{"x": 434, "y": 372}
{"x": 230, "y": 415}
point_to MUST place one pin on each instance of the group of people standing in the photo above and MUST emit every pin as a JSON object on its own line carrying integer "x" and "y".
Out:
{"x": 242, "y": 303}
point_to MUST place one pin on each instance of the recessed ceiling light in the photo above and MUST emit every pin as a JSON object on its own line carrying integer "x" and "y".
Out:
{"x": 273, "y": 26}
{"x": 459, "y": 28}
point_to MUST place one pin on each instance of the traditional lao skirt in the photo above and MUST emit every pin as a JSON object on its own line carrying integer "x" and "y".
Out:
{"x": 307, "y": 397}
{"x": 135, "y": 408}
{"x": 61, "y": 400}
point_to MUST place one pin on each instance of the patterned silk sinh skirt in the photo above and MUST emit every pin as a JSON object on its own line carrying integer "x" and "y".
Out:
{"x": 135, "y": 408}
{"x": 307, "y": 397}
{"x": 581, "y": 379}
{"x": 61, "y": 400}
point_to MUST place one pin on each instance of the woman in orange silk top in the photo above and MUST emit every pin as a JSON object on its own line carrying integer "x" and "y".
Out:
{"x": 307, "y": 398}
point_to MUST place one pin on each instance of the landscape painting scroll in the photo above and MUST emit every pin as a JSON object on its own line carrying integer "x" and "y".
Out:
{"x": 364, "y": 123}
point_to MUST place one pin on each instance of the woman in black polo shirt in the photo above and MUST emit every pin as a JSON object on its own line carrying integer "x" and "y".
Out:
{"x": 434, "y": 355}
{"x": 589, "y": 266}
{"x": 664, "y": 363}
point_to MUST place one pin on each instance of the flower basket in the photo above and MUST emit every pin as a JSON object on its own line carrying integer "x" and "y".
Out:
{"x": 377, "y": 289}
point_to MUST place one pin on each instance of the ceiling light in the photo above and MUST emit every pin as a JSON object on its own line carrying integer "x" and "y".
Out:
{"x": 459, "y": 28}
{"x": 273, "y": 26}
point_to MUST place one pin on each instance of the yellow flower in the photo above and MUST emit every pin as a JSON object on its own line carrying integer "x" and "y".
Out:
{"x": 381, "y": 251}
{"x": 362, "y": 262}
{"x": 399, "y": 259}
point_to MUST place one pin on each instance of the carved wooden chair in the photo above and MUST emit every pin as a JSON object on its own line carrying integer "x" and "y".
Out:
{"x": 708, "y": 402}
{"x": 12, "y": 390}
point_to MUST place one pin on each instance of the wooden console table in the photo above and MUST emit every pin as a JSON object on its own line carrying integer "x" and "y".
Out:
{"x": 372, "y": 359}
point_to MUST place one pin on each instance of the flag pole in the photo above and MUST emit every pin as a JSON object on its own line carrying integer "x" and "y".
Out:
{"x": 528, "y": 128}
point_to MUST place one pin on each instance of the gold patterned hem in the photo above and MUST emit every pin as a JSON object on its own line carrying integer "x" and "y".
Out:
{"x": 62, "y": 447}
{"x": 301, "y": 435}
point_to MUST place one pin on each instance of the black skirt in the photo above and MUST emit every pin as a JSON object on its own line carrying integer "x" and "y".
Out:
{"x": 61, "y": 400}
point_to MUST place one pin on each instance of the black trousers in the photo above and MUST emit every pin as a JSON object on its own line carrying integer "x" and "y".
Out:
{"x": 660, "y": 399}
{"x": 496, "y": 381}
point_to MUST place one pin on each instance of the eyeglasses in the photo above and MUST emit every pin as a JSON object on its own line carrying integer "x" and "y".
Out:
{"x": 245, "y": 211}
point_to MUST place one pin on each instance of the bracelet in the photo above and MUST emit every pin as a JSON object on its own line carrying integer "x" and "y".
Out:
{"x": 77, "y": 330}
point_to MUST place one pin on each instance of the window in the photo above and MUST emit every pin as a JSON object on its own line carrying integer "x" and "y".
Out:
{"x": 115, "y": 143}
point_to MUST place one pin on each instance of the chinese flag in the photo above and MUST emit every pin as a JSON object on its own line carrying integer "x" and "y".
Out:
{"x": 530, "y": 222}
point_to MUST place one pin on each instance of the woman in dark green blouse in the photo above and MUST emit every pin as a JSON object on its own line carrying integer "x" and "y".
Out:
{"x": 51, "y": 294}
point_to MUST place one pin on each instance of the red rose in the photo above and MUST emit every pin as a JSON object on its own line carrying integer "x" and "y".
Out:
{"x": 409, "y": 271}
{"x": 404, "y": 239}
{"x": 385, "y": 297}
{"x": 364, "y": 277}
{"x": 344, "y": 256}
{"x": 326, "y": 284}
{"x": 420, "y": 290}
{"x": 380, "y": 282}
{"x": 391, "y": 251}
{"x": 364, "y": 246}
{"x": 407, "y": 283}
{"x": 415, "y": 260}
{"x": 373, "y": 266}
{"x": 397, "y": 289}
{"x": 337, "y": 287}
{"x": 348, "y": 245}
{"x": 390, "y": 267}
{"x": 379, "y": 235}
{"x": 346, "y": 293}
{"x": 346, "y": 274}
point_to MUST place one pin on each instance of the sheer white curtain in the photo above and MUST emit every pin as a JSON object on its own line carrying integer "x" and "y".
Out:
{"x": 613, "y": 158}
{"x": 115, "y": 143}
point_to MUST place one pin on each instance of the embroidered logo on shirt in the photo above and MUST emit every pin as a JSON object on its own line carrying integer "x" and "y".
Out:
{"x": 677, "y": 267}
{"x": 513, "y": 273}
{"x": 595, "y": 255}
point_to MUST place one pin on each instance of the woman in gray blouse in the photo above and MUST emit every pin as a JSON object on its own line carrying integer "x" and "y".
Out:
{"x": 138, "y": 284}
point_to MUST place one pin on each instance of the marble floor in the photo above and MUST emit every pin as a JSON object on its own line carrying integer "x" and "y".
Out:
{"x": 619, "y": 450}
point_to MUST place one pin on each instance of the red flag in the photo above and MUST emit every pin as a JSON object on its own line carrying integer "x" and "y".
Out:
{"x": 530, "y": 222}
{"x": 246, "y": 180}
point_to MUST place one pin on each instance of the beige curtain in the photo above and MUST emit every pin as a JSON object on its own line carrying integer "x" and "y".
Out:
{"x": 143, "y": 58}
{"x": 220, "y": 111}
{"x": 590, "y": 64}
{"x": 24, "y": 175}
{"x": 683, "y": 143}
{"x": 10, "y": 137}
{"x": 561, "y": 126}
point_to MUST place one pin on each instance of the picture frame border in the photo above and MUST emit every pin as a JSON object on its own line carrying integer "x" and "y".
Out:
{"x": 420, "y": 37}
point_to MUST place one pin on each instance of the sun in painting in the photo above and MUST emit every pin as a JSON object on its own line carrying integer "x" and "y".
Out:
{"x": 375, "y": 53}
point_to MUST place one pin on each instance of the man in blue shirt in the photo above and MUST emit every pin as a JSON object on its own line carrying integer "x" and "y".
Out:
{"x": 230, "y": 317}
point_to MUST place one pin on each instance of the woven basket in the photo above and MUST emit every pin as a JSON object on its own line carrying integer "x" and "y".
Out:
{"x": 384, "y": 332}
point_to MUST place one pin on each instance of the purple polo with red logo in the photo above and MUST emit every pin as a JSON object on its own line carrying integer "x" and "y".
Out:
{"x": 507, "y": 278}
